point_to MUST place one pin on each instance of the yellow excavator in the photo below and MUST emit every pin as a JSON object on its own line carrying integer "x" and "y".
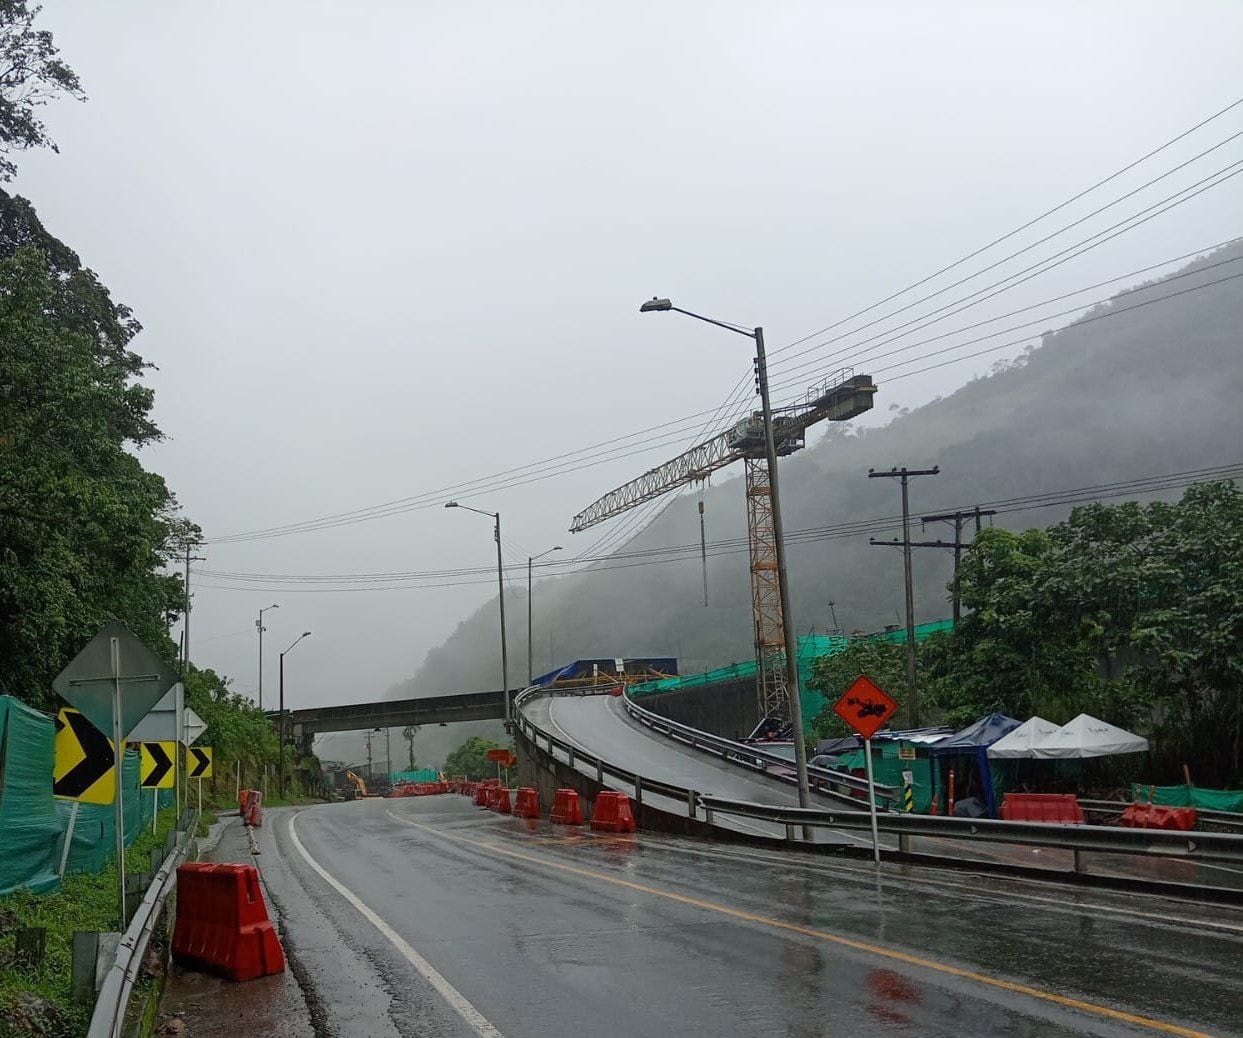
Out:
{"x": 359, "y": 792}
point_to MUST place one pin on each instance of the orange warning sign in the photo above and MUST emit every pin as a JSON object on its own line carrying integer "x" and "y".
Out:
{"x": 865, "y": 706}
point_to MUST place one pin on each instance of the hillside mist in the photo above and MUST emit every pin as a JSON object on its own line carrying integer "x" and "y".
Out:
{"x": 1144, "y": 393}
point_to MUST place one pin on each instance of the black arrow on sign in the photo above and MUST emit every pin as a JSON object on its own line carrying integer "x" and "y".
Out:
{"x": 199, "y": 764}
{"x": 163, "y": 764}
{"x": 94, "y": 766}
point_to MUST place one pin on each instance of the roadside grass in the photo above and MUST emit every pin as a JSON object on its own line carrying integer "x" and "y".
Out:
{"x": 84, "y": 902}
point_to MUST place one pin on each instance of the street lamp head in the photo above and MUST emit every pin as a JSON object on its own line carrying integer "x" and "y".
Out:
{"x": 306, "y": 634}
{"x": 555, "y": 547}
{"x": 452, "y": 504}
{"x": 655, "y": 304}
{"x": 274, "y": 605}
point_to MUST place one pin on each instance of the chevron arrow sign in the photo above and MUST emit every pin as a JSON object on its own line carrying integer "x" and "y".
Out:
{"x": 82, "y": 769}
{"x": 198, "y": 762}
{"x": 157, "y": 764}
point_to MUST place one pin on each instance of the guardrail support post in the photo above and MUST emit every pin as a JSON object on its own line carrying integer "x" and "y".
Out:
{"x": 789, "y": 833}
{"x": 638, "y": 789}
{"x": 691, "y": 797}
{"x": 600, "y": 771}
{"x": 904, "y": 843}
{"x": 1081, "y": 866}
{"x": 571, "y": 751}
{"x": 82, "y": 966}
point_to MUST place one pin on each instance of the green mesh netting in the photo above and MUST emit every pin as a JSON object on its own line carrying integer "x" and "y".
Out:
{"x": 418, "y": 775}
{"x": 33, "y": 823}
{"x": 30, "y": 831}
{"x": 1190, "y": 796}
{"x": 809, "y": 647}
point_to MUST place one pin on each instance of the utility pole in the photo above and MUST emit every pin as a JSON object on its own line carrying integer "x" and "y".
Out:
{"x": 531, "y": 560}
{"x": 957, "y": 518}
{"x": 185, "y": 666}
{"x": 906, "y": 475}
{"x": 833, "y": 613}
{"x": 370, "y": 772}
{"x": 703, "y": 551}
{"x": 259, "y": 625}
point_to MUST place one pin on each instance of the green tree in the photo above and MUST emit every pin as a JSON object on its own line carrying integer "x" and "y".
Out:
{"x": 31, "y": 74}
{"x": 471, "y": 759}
{"x": 1130, "y": 612}
{"x": 883, "y": 661}
{"x": 85, "y": 531}
{"x": 237, "y": 730}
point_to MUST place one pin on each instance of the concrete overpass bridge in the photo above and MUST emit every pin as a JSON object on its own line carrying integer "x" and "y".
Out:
{"x": 396, "y": 713}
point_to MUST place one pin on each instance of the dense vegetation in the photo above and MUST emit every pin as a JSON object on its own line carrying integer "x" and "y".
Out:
{"x": 1132, "y": 613}
{"x": 471, "y": 759}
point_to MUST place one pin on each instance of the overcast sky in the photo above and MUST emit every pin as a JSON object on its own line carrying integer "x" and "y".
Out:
{"x": 388, "y": 247}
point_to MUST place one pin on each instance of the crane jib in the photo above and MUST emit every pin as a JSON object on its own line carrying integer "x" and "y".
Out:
{"x": 836, "y": 400}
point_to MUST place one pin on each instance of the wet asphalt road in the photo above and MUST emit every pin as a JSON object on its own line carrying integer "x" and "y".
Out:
{"x": 544, "y": 931}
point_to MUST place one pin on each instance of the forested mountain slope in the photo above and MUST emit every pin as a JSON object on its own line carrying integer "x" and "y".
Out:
{"x": 1143, "y": 393}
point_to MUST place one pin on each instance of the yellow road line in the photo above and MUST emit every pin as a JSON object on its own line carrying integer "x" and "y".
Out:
{"x": 824, "y": 935}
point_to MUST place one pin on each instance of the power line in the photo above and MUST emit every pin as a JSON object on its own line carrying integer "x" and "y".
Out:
{"x": 690, "y": 552}
{"x": 1019, "y": 342}
{"x": 1046, "y": 302}
{"x": 1035, "y": 270}
{"x": 1018, "y": 230}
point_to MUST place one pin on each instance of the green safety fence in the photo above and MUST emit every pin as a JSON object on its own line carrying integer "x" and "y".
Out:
{"x": 887, "y": 769}
{"x": 809, "y": 647}
{"x": 418, "y": 775}
{"x": 33, "y": 823}
{"x": 1190, "y": 796}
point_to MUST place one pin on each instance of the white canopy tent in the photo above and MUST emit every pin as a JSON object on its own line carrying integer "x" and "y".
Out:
{"x": 1087, "y": 736}
{"x": 1022, "y": 742}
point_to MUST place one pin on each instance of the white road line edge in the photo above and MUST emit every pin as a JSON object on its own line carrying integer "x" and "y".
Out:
{"x": 457, "y": 1001}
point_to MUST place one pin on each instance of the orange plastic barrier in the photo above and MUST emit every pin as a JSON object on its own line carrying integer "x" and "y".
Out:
{"x": 1158, "y": 816}
{"x": 501, "y": 801}
{"x": 1042, "y": 807}
{"x": 526, "y": 805}
{"x": 243, "y": 800}
{"x": 567, "y": 809}
{"x": 481, "y": 795}
{"x": 253, "y": 812}
{"x": 612, "y": 813}
{"x": 222, "y": 923}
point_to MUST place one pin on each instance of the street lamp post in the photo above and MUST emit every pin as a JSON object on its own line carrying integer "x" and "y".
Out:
{"x": 530, "y": 611}
{"x": 787, "y": 621}
{"x": 259, "y": 624}
{"x": 500, "y": 580}
{"x": 281, "y": 712}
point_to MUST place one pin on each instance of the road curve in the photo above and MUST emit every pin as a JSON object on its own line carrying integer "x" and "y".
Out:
{"x": 601, "y": 725}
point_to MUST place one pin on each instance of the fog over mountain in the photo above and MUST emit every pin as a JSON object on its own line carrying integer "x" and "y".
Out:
{"x": 1112, "y": 397}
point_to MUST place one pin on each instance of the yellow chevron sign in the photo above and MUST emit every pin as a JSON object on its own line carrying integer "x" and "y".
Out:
{"x": 198, "y": 762}
{"x": 159, "y": 763}
{"x": 83, "y": 765}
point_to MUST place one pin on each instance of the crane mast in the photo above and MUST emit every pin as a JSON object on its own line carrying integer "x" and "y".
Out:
{"x": 837, "y": 399}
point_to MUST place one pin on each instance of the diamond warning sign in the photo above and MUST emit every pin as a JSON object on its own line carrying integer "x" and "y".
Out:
{"x": 865, "y": 706}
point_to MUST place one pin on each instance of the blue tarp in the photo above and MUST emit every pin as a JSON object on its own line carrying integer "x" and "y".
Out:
{"x": 666, "y": 665}
{"x": 981, "y": 733}
{"x": 973, "y": 741}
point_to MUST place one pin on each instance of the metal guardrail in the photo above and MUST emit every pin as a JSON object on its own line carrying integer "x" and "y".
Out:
{"x": 1211, "y": 848}
{"x": 108, "y": 1018}
{"x": 575, "y": 754}
{"x": 752, "y": 757}
{"x": 1208, "y": 847}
